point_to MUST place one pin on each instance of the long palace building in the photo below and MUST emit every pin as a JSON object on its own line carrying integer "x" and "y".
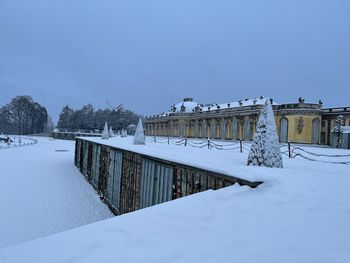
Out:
{"x": 298, "y": 122}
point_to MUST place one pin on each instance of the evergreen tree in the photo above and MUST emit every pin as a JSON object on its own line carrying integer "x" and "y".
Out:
{"x": 66, "y": 118}
{"x": 88, "y": 119}
{"x": 124, "y": 133}
{"x": 139, "y": 138}
{"x": 265, "y": 149}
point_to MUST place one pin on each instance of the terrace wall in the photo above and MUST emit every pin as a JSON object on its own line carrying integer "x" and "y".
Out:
{"x": 128, "y": 181}
{"x": 72, "y": 135}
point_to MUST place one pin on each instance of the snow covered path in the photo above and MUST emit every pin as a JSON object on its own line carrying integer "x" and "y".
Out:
{"x": 42, "y": 192}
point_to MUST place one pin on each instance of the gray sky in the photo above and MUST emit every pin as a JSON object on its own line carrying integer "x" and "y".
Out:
{"x": 150, "y": 54}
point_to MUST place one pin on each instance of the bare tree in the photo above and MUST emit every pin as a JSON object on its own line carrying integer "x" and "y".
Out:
{"x": 23, "y": 116}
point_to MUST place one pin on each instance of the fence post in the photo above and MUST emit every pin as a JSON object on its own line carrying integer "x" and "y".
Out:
{"x": 168, "y": 140}
{"x": 289, "y": 152}
{"x": 185, "y": 141}
{"x": 155, "y": 139}
{"x": 208, "y": 143}
{"x": 241, "y": 146}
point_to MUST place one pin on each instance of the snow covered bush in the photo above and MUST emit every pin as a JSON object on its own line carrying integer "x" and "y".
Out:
{"x": 139, "y": 138}
{"x": 110, "y": 132}
{"x": 265, "y": 149}
{"x": 124, "y": 133}
{"x": 105, "y": 133}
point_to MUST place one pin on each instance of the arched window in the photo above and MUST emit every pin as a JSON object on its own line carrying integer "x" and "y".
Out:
{"x": 218, "y": 130}
{"x": 227, "y": 129}
{"x": 199, "y": 130}
{"x": 247, "y": 130}
{"x": 315, "y": 130}
{"x": 284, "y": 130}
{"x": 234, "y": 129}
{"x": 205, "y": 129}
{"x": 213, "y": 129}
{"x": 182, "y": 130}
{"x": 208, "y": 129}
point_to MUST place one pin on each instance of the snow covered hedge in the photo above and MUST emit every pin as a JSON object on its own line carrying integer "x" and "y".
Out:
{"x": 265, "y": 149}
{"x": 139, "y": 138}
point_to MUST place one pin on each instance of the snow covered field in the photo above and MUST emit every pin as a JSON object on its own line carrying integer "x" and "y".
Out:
{"x": 42, "y": 192}
{"x": 300, "y": 214}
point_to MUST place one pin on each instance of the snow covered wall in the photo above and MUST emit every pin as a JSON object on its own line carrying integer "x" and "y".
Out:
{"x": 147, "y": 180}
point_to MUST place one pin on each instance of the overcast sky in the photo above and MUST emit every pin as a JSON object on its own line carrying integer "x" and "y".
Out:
{"x": 150, "y": 54}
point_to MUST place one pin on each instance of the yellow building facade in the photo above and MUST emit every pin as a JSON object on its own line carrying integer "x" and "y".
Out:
{"x": 296, "y": 122}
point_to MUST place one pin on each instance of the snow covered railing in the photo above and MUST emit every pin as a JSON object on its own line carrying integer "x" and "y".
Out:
{"x": 128, "y": 181}
{"x": 18, "y": 141}
{"x": 72, "y": 135}
{"x": 299, "y": 152}
{"x": 208, "y": 143}
{"x": 288, "y": 149}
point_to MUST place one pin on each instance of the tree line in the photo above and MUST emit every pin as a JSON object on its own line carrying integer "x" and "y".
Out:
{"x": 23, "y": 116}
{"x": 87, "y": 118}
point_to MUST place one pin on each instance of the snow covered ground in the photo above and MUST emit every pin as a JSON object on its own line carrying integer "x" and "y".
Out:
{"x": 42, "y": 192}
{"x": 300, "y": 214}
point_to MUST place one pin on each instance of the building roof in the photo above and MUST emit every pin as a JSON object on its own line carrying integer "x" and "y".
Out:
{"x": 190, "y": 106}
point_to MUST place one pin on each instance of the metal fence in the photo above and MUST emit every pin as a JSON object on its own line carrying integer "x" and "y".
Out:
{"x": 299, "y": 152}
{"x": 129, "y": 181}
{"x": 288, "y": 149}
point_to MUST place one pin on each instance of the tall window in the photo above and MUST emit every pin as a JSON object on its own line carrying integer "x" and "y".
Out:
{"x": 213, "y": 129}
{"x": 227, "y": 130}
{"x": 247, "y": 130}
{"x": 315, "y": 130}
{"x": 234, "y": 129}
{"x": 284, "y": 130}
{"x": 218, "y": 130}
{"x": 182, "y": 130}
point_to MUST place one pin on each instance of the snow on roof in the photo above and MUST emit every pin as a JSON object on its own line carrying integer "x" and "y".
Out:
{"x": 242, "y": 103}
{"x": 190, "y": 106}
